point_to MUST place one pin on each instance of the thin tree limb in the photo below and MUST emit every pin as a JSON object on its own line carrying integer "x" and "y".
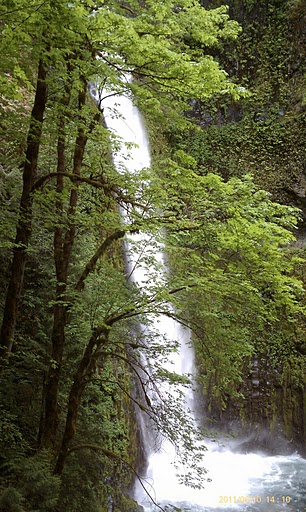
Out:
{"x": 114, "y": 456}
{"x": 91, "y": 265}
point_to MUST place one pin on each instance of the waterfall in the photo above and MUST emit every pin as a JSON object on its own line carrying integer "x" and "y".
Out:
{"x": 236, "y": 481}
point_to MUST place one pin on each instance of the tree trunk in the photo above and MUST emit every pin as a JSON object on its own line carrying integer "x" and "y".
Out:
{"x": 63, "y": 246}
{"x": 83, "y": 375}
{"x": 24, "y": 226}
{"x": 59, "y": 312}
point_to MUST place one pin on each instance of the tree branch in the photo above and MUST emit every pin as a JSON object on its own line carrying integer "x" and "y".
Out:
{"x": 114, "y": 456}
{"x": 91, "y": 265}
{"x": 136, "y": 312}
{"x": 101, "y": 184}
{"x": 128, "y": 362}
{"x": 73, "y": 177}
{"x": 128, "y": 9}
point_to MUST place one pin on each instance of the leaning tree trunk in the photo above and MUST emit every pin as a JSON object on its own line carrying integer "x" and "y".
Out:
{"x": 83, "y": 375}
{"x": 24, "y": 226}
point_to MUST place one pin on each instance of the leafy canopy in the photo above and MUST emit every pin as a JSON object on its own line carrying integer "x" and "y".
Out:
{"x": 164, "y": 44}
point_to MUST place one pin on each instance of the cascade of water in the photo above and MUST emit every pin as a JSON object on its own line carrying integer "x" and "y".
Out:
{"x": 244, "y": 482}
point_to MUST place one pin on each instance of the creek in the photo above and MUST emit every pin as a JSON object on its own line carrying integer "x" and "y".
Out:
{"x": 234, "y": 481}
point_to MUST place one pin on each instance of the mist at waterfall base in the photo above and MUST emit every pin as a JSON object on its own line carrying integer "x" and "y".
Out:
{"x": 234, "y": 481}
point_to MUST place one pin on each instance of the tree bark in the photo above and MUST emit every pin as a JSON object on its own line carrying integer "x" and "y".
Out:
{"x": 91, "y": 265}
{"x": 83, "y": 375}
{"x": 63, "y": 246}
{"x": 59, "y": 311}
{"x": 24, "y": 226}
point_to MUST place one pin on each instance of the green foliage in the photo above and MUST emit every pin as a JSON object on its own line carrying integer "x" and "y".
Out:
{"x": 272, "y": 150}
{"x": 81, "y": 484}
{"x": 263, "y": 136}
{"x": 11, "y": 501}
{"x": 39, "y": 486}
{"x": 35, "y": 487}
{"x": 231, "y": 277}
{"x": 157, "y": 42}
{"x": 227, "y": 245}
{"x": 10, "y": 435}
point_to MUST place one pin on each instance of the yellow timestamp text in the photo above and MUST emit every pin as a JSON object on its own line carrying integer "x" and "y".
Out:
{"x": 225, "y": 499}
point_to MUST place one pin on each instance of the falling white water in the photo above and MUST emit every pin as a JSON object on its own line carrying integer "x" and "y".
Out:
{"x": 243, "y": 482}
